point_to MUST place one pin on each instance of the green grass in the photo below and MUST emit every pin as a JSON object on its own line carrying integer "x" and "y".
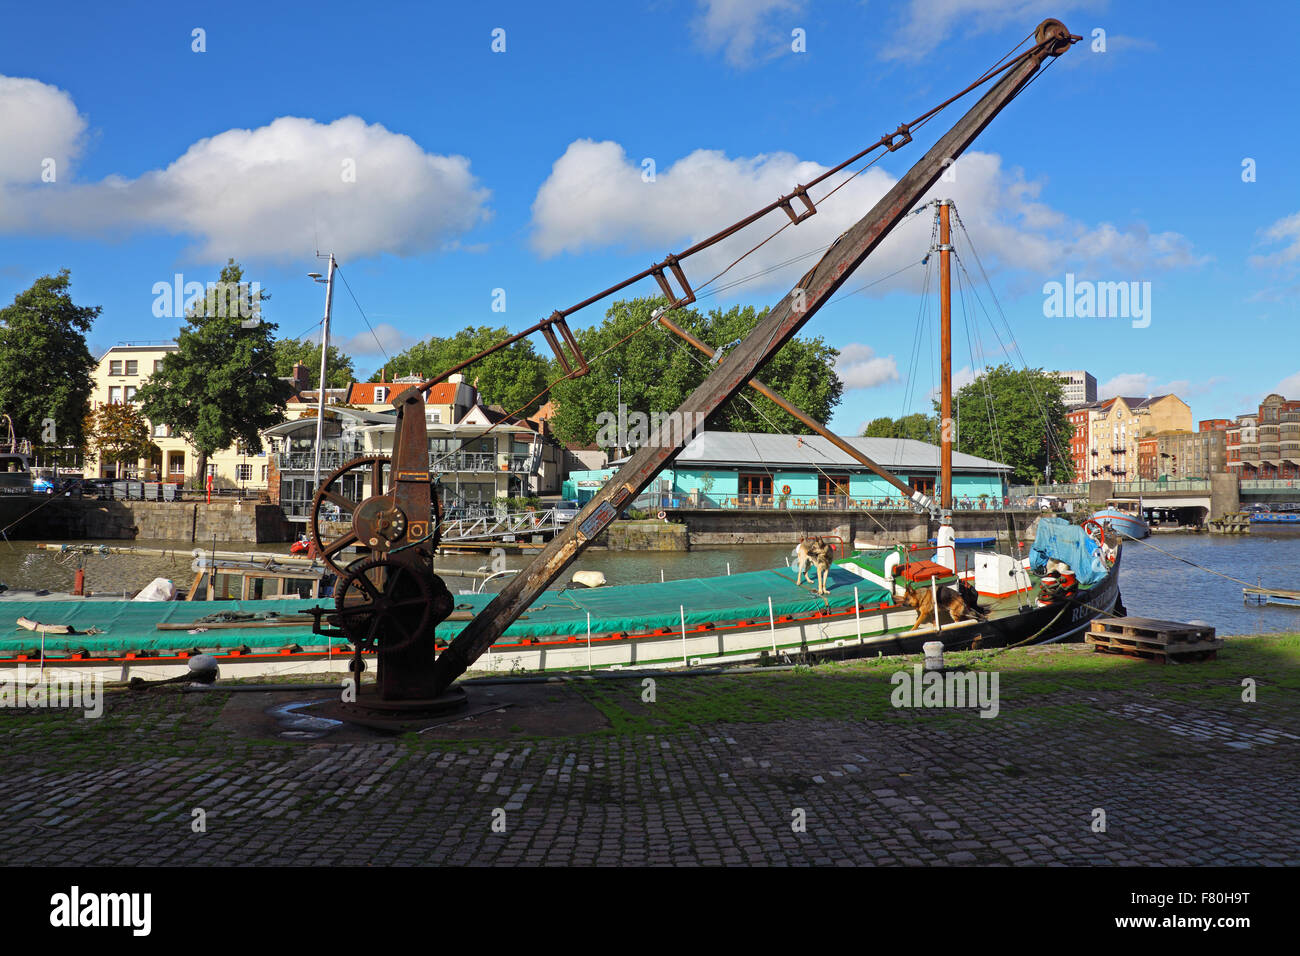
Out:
{"x": 1041, "y": 686}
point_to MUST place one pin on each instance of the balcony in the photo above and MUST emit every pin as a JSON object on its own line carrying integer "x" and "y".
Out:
{"x": 477, "y": 462}
{"x": 306, "y": 460}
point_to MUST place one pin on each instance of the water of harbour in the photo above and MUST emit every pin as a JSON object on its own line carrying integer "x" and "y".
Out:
{"x": 1153, "y": 584}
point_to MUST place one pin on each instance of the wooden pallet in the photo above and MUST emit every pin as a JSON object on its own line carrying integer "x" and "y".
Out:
{"x": 1150, "y": 639}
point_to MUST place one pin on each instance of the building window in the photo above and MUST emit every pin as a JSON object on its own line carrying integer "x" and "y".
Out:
{"x": 130, "y": 393}
{"x": 832, "y": 485}
{"x": 755, "y": 484}
{"x": 115, "y": 367}
{"x": 132, "y": 367}
{"x": 264, "y": 473}
{"x": 157, "y": 366}
{"x": 244, "y": 473}
{"x": 435, "y": 418}
{"x": 381, "y": 394}
{"x": 924, "y": 485}
{"x": 114, "y": 394}
{"x": 212, "y": 470}
{"x": 162, "y": 431}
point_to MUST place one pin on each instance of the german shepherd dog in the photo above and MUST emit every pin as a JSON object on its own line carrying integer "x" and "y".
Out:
{"x": 816, "y": 553}
{"x": 962, "y": 603}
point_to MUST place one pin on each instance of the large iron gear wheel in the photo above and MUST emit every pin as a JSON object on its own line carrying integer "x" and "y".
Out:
{"x": 329, "y": 493}
{"x": 391, "y": 613}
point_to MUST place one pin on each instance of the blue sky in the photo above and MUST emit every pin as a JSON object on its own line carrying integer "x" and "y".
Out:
{"x": 521, "y": 170}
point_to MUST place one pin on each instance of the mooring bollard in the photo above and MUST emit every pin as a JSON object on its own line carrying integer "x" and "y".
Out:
{"x": 933, "y": 655}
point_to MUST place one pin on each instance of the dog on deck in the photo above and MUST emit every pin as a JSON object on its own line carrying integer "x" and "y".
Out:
{"x": 816, "y": 553}
{"x": 962, "y": 603}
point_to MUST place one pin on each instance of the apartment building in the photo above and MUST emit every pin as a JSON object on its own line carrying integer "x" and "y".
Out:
{"x": 1116, "y": 425}
{"x": 1182, "y": 454}
{"x": 118, "y": 375}
{"x": 1266, "y": 443}
{"x": 479, "y": 455}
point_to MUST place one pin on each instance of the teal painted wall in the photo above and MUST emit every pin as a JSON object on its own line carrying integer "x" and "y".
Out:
{"x": 973, "y": 486}
{"x": 873, "y": 486}
{"x": 725, "y": 482}
{"x": 802, "y": 484}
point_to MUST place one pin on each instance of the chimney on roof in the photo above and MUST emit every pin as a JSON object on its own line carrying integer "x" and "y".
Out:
{"x": 301, "y": 377}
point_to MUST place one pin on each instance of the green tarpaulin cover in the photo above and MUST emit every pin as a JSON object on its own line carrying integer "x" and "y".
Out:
{"x": 124, "y": 626}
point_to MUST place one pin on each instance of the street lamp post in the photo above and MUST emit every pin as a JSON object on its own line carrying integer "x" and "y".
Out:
{"x": 324, "y": 350}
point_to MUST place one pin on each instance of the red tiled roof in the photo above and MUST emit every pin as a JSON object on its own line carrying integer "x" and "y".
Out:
{"x": 363, "y": 393}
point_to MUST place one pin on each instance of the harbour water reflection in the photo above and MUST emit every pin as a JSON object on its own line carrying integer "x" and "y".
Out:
{"x": 1154, "y": 582}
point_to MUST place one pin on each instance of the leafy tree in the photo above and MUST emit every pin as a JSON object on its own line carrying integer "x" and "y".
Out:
{"x": 510, "y": 377}
{"x": 339, "y": 372}
{"x": 1017, "y": 416}
{"x": 657, "y": 372}
{"x": 120, "y": 433}
{"x": 220, "y": 386}
{"x": 917, "y": 426}
{"x": 45, "y": 366}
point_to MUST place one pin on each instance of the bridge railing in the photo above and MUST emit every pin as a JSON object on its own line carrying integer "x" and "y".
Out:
{"x": 1152, "y": 487}
{"x": 1074, "y": 488}
{"x": 1270, "y": 484}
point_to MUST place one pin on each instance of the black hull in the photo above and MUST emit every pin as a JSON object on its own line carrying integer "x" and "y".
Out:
{"x": 1057, "y": 623}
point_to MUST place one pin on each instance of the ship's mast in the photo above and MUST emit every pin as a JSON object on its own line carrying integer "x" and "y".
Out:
{"x": 945, "y": 356}
{"x": 945, "y": 536}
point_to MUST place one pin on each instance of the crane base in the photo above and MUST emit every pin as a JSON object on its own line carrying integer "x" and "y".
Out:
{"x": 397, "y": 716}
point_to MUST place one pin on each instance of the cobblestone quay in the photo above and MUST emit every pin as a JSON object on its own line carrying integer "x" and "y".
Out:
{"x": 1090, "y": 759}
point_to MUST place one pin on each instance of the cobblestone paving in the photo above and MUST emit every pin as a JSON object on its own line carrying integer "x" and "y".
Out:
{"x": 1184, "y": 771}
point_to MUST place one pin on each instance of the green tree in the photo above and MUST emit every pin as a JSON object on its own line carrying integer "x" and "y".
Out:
{"x": 220, "y": 385}
{"x": 655, "y": 372}
{"x": 339, "y": 372}
{"x": 45, "y": 366}
{"x": 1018, "y": 417}
{"x": 119, "y": 432}
{"x": 510, "y": 378}
{"x": 917, "y": 426}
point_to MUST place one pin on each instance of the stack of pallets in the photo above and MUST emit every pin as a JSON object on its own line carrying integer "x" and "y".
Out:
{"x": 1149, "y": 639}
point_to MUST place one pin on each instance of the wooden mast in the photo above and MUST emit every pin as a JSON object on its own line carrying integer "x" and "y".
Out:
{"x": 945, "y": 356}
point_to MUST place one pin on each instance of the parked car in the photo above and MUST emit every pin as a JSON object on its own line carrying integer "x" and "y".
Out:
{"x": 566, "y": 510}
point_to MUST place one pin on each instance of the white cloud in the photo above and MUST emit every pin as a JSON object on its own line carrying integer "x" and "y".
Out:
{"x": 737, "y": 26}
{"x": 1142, "y": 384}
{"x": 595, "y": 197}
{"x": 40, "y": 122}
{"x": 280, "y": 191}
{"x": 1128, "y": 383}
{"x": 385, "y": 339}
{"x": 858, "y": 366}
{"x": 1285, "y": 230}
{"x": 927, "y": 23}
{"x": 1289, "y": 387}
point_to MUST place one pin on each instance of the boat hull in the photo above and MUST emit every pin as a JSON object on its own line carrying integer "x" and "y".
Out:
{"x": 838, "y": 634}
{"x": 1128, "y": 525}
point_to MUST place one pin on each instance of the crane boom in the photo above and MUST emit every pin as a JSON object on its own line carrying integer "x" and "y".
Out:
{"x": 741, "y": 364}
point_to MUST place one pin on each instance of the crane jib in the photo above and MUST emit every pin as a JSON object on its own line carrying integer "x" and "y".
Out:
{"x": 742, "y": 363}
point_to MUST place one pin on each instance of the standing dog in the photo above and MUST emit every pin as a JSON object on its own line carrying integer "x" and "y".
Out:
{"x": 816, "y": 553}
